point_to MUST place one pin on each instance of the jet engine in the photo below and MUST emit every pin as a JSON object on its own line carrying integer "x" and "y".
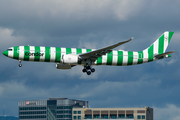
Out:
{"x": 70, "y": 59}
{"x": 63, "y": 66}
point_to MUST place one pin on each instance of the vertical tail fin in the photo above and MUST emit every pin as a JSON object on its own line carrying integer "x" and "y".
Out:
{"x": 161, "y": 44}
{"x": 158, "y": 47}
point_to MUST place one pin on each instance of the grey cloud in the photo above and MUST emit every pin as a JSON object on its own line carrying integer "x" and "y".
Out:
{"x": 169, "y": 112}
{"x": 90, "y": 24}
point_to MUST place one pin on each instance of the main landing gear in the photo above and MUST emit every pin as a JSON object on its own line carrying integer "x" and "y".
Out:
{"x": 20, "y": 65}
{"x": 87, "y": 67}
{"x": 88, "y": 70}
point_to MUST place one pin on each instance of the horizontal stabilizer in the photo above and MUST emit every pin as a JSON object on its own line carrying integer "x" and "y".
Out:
{"x": 164, "y": 54}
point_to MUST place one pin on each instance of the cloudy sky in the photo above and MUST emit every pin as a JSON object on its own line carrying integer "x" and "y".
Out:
{"x": 91, "y": 24}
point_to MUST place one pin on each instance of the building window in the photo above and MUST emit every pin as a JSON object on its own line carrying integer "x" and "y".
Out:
{"x": 59, "y": 107}
{"x": 79, "y": 112}
{"x": 113, "y": 116}
{"x": 96, "y": 116}
{"x": 75, "y": 112}
{"x": 32, "y": 117}
{"x": 143, "y": 117}
{"x": 130, "y": 116}
{"x": 139, "y": 117}
{"x": 88, "y": 116}
{"x": 79, "y": 117}
{"x": 74, "y": 117}
{"x": 32, "y": 108}
{"x": 122, "y": 116}
{"x": 104, "y": 116}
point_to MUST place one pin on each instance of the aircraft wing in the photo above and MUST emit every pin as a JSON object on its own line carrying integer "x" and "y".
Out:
{"x": 99, "y": 52}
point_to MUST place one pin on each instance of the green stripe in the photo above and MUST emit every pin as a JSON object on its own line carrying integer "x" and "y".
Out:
{"x": 161, "y": 44}
{"x": 37, "y": 50}
{"x": 88, "y": 50}
{"x": 170, "y": 36}
{"x": 150, "y": 53}
{"x": 120, "y": 58}
{"x": 26, "y": 52}
{"x": 68, "y": 51}
{"x": 130, "y": 58}
{"x": 6, "y": 52}
{"x": 16, "y": 52}
{"x": 140, "y": 59}
{"x": 79, "y": 51}
{"x": 47, "y": 54}
{"x": 109, "y": 58}
{"x": 99, "y": 61}
{"x": 58, "y": 55}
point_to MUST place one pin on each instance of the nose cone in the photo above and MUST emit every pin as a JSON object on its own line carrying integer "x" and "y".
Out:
{"x": 5, "y": 53}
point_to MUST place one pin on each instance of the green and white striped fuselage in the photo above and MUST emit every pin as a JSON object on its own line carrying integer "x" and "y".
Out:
{"x": 55, "y": 54}
{"x": 68, "y": 57}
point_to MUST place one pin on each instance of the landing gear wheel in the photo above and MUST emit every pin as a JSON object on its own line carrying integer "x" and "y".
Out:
{"x": 92, "y": 70}
{"x": 20, "y": 65}
{"x": 88, "y": 72}
{"x": 84, "y": 70}
{"x": 88, "y": 67}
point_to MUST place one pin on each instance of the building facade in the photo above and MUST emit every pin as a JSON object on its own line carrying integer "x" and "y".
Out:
{"x": 70, "y": 109}
{"x": 52, "y": 109}
{"x": 144, "y": 113}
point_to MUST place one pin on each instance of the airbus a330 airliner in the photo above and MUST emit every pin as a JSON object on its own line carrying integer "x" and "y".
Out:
{"x": 66, "y": 58}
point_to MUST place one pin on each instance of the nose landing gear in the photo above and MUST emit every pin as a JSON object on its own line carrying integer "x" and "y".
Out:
{"x": 20, "y": 65}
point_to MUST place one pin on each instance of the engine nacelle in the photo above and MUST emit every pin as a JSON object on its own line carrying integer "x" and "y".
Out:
{"x": 70, "y": 59}
{"x": 63, "y": 66}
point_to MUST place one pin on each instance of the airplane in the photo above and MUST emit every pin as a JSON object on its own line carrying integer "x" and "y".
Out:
{"x": 66, "y": 58}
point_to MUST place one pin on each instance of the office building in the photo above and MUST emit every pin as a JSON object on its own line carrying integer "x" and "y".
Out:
{"x": 51, "y": 109}
{"x": 144, "y": 113}
{"x": 70, "y": 109}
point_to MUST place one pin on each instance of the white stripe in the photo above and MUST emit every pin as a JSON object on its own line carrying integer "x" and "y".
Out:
{"x": 166, "y": 36}
{"x": 73, "y": 50}
{"x": 53, "y": 54}
{"x": 63, "y": 52}
{"x": 21, "y": 52}
{"x": 145, "y": 56}
{"x": 135, "y": 58}
{"x": 95, "y": 62}
{"x": 11, "y": 53}
{"x": 104, "y": 59}
{"x": 32, "y": 50}
{"x": 83, "y": 50}
{"x": 42, "y": 58}
{"x": 125, "y": 58}
{"x": 115, "y": 58}
{"x": 156, "y": 46}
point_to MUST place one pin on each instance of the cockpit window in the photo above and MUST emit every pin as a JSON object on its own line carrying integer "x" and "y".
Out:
{"x": 9, "y": 49}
